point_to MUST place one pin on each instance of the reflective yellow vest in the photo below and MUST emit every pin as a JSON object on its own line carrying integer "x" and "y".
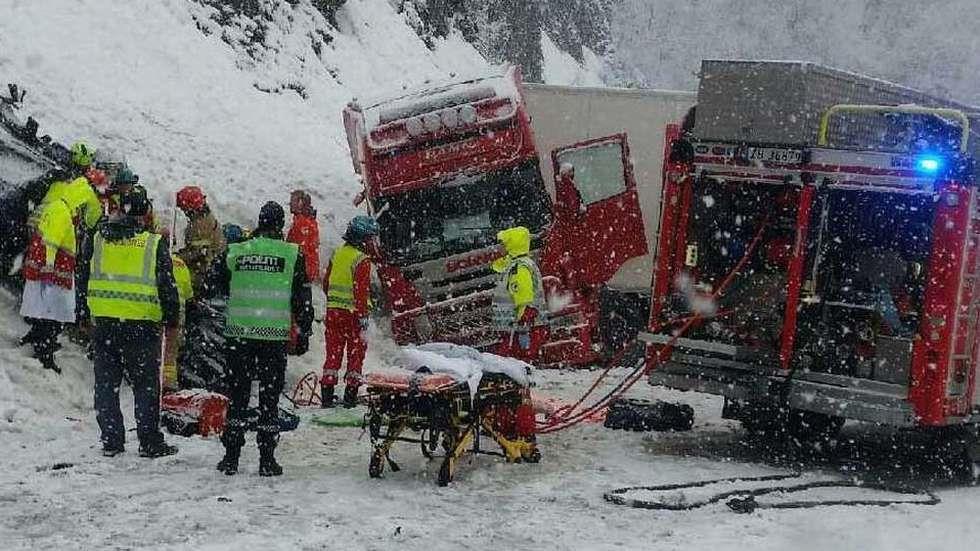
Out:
{"x": 340, "y": 284}
{"x": 182, "y": 277}
{"x": 122, "y": 284}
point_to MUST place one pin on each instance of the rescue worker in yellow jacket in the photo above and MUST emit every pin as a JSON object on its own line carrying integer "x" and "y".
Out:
{"x": 520, "y": 315}
{"x": 519, "y": 308}
{"x": 175, "y": 335}
{"x": 49, "y": 299}
{"x": 127, "y": 281}
{"x": 347, "y": 284}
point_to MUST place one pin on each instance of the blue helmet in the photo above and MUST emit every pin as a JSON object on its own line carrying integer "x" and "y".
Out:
{"x": 233, "y": 233}
{"x": 360, "y": 229}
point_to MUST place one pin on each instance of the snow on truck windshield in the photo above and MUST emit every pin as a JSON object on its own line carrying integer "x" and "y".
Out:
{"x": 462, "y": 214}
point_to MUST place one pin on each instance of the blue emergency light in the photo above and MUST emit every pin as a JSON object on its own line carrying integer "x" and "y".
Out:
{"x": 928, "y": 164}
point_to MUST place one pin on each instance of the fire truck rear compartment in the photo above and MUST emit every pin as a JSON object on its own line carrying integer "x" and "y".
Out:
{"x": 864, "y": 271}
{"x": 725, "y": 219}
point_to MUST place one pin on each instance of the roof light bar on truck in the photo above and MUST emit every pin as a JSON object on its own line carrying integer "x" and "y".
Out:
{"x": 952, "y": 115}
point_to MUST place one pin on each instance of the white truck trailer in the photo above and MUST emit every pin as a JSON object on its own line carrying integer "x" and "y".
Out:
{"x": 565, "y": 114}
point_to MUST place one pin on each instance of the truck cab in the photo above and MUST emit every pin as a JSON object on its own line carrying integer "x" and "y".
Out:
{"x": 445, "y": 169}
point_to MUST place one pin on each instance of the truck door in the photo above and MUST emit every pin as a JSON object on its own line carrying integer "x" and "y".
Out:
{"x": 599, "y": 222}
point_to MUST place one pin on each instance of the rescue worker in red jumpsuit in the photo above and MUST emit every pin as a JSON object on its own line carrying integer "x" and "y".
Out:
{"x": 306, "y": 234}
{"x": 347, "y": 283}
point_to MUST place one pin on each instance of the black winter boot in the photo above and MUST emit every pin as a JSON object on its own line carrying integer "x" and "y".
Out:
{"x": 350, "y": 396}
{"x": 233, "y": 439}
{"x": 161, "y": 449}
{"x": 47, "y": 362}
{"x": 328, "y": 398}
{"x": 229, "y": 463}
{"x": 269, "y": 467}
{"x": 267, "y": 448}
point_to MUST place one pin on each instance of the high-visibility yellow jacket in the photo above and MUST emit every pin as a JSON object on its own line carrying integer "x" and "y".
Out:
{"x": 122, "y": 283}
{"x": 182, "y": 276}
{"x": 80, "y": 197}
{"x": 347, "y": 281}
{"x": 520, "y": 285}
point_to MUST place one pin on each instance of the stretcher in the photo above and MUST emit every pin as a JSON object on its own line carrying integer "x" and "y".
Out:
{"x": 451, "y": 409}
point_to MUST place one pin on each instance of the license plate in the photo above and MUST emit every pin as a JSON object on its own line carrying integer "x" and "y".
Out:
{"x": 774, "y": 155}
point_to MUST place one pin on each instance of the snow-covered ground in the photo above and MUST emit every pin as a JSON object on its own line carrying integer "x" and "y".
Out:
{"x": 138, "y": 76}
{"x": 326, "y": 500}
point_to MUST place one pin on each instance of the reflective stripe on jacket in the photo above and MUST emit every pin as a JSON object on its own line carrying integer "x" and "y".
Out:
{"x": 340, "y": 280}
{"x": 182, "y": 277}
{"x": 260, "y": 290}
{"x": 50, "y": 256}
{"x": 123, "y": 281}
{"x": 519, "y": 286}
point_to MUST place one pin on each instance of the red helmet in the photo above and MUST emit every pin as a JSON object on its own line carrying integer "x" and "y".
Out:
{"x": 191, "y": 199}
{"x": 98, "y": 179}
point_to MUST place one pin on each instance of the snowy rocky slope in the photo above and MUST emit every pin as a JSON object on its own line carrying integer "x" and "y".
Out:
{"x": 243, "y": 98}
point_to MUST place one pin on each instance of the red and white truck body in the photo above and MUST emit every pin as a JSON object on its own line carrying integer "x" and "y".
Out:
{"x": 843, "y": 263}
{"x": 446, "y": 168}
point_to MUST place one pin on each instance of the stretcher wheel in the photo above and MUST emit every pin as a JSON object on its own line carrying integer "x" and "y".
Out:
{"x": 377, "y": 465}
{"x": 534, "y": 456}
{"x": 307, "y": 390}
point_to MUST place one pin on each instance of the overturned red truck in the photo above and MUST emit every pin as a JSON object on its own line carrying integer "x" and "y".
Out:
{"x": 448, "y": 167}
{"x": 820, "y": 244}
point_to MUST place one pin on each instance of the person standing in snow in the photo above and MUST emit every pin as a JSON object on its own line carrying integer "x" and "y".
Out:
{"x": 48, "y": 300}
{"x": 265, "y": 281}
{"x": 174, "y": 336}
{"x": 203, "y": 239}
{"x": 347, "y": 283}
{"x": 519, "y": 308}
{"x": 127, "y": 280}
{"x": 306, "y": 234}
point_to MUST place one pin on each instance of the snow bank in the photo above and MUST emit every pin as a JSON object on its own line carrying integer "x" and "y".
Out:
{"x": 561, "y": 68}
{"x": 186, "y": 107}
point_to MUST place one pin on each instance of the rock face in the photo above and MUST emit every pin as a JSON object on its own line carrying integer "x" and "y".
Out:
{"x": 511, "y": 30}
{"x": 501, "y": 30}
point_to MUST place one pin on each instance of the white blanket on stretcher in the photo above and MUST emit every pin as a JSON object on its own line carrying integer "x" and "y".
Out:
{"x": 464, "y": 363}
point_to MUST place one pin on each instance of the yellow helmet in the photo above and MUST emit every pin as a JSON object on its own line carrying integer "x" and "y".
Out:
{"x": 82, "y": 154}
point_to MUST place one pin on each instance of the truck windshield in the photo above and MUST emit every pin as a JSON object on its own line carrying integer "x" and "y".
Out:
{"x": 462, "y": 214}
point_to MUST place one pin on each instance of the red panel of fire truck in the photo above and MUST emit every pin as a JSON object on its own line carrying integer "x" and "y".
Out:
{"x": 830, "y": 280}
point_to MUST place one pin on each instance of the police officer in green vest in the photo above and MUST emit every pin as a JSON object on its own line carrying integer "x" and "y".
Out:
{"x": 265, "y": 281}
{"x": 127, "y": 290}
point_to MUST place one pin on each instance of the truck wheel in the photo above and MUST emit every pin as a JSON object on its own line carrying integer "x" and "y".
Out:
{"x": 813, "y": 430}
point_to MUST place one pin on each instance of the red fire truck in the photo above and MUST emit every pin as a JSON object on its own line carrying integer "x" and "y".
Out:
{"x": 445, "y": 169}
{"x": 819, "y": 245}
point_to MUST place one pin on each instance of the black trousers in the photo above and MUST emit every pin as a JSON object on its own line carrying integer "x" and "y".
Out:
{"x": 131, "y": 348}
{"x": 249, "y": 360}
{"x": 43, "y": 336}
